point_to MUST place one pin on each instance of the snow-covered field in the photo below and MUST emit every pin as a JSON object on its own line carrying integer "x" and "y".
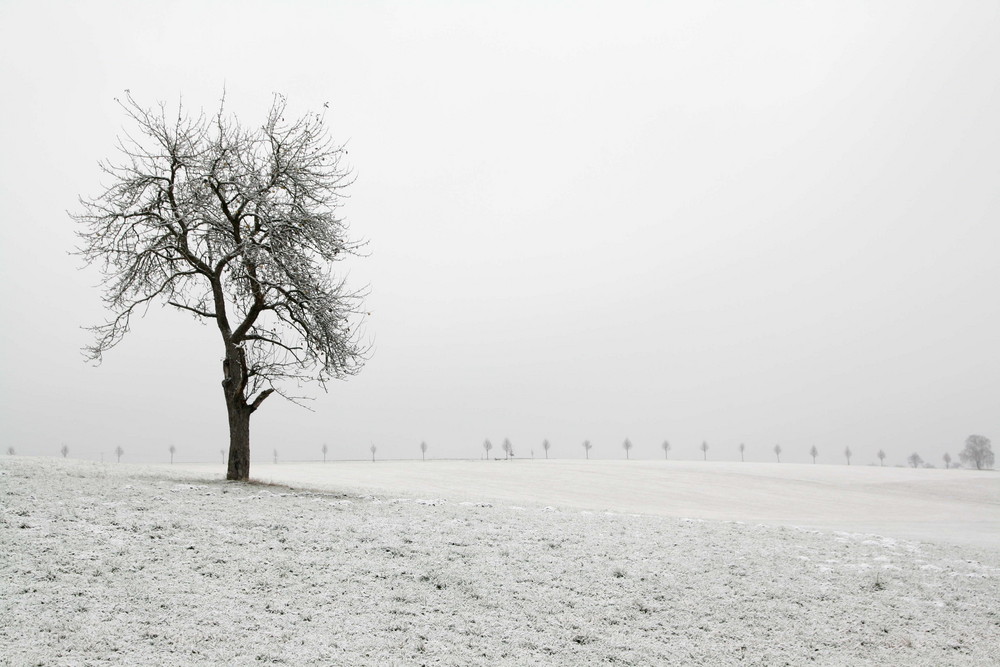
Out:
{"x": 116, "y": 564}
{"x": 956, "y": 506}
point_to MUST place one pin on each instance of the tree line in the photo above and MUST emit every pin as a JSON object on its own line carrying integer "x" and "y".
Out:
{"x": 977, "y": 453}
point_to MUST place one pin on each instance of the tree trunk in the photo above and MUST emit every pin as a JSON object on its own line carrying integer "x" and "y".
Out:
{"x": 239, "y": 441}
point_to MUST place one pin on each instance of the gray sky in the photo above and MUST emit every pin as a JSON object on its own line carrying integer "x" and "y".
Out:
{"x": 769, "y": 222}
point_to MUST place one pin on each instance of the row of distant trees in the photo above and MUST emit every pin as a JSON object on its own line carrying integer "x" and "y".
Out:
{"x": 978, "y": 452}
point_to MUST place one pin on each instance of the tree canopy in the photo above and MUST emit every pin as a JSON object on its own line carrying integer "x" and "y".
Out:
{"x": 235, "y": 225}
{"x": 978, "y": 452}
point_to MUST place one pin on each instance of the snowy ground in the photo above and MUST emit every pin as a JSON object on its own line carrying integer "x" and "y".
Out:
{"x": 954, "y": 506}
{"x": 111, "y": 565}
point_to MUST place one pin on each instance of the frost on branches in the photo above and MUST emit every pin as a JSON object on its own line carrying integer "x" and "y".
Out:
{"x": 232, "y": 224}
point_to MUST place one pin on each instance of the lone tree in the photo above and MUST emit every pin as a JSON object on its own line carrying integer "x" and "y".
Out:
{"x": 881, "y": 458}
{"x": 276, "y": 456}
{"x": 546, "y": 445}
{"x": 978, "y": 452}
{"x": 947, "y": 460}
{"x": 118, "y": 452}
{"x": 743, "y": 448}
{"x": 324, "y": 449}
{"x": 915, "y": 460}
{"x": 172, "y": 451}
{"x": 373, "y": 449}
{"x": 236, "y": 226}
{"x": 666, "y": 449}
{"x": 587, "y": 447}
{"x": 11, "y": 451}
{"x": 64, "y": 450}
{"x": 423, "y": 451}
{"x": 487, "y": 446}
{"x": 847, "y": 454}
{"x": 627, "y": 446}
{"x": 704, "y": 449}
{"x": 777, "y": 452}
{"x": 813, "y": 452}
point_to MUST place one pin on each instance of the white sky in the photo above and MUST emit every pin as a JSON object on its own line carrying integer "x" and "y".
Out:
{"x": 770, "y": 222}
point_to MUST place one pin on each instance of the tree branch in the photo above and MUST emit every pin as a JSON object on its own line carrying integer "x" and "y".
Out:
{"x": 260, "y": 399}
{"x": 193, "y": 310}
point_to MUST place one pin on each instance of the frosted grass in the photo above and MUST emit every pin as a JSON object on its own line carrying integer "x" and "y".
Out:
{"x": 110, "y": 565}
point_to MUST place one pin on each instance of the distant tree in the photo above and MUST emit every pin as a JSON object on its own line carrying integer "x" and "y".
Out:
{"x": 423, "y": 451}
{"x": 172, "y": 450}
{"x": 914, "y": 460}
{"x": 236, "y": 225}
{"x": 704, "y": 449}
{"x": 10, "y": 451}
{"x": 508, "y": 448}
{"x": 64, "y": 450}
{"x": 223, "y": 452}
{"x": 627, "y": 446}
{"x": 118, "y": 452}
{"x": 276, "y": 456}
{"x": 947, "y": 460}
{"x": 487, "y": 446}
{"x": 813, "y": 452}
{"x": 324, "y": 450}
{"x": 978, "y": 452}
{"x": 587, "y": 447}
{"x": 847, "y": 454}
{"x": 666, "y": 449}
{"x": 881, "y": 457}
{"x": 373, "y": 448}
{"x": 743, "y": 448}
{"x": 546, "y": 445}
{"x": 777, "y": 452}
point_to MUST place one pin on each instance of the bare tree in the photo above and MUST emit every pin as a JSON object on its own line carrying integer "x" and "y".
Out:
{"x": 915, "y": 460}
{"x": 423, "y": 451}
{"x": 704, "y": 449}
{"x": 627, "y": 446}
{"x": 743, "y": 448}
{"x": 324, "y": 449}
{"x": 372, "y": 449}
{"x": 947, "y": 460}
{"x": 487, "y": 446}
{"x": 881, "y": 458}
{"x": 172, "y": 451}
{"x": 235, "y": 226}
{"x": 10, "y": 451}
{"x": 666, "y": 449}
{"x": 587, "y": 447}
{"x": 276, "y": 456}
{"x": 118, "y": 452}
{"x": 777, "y": 452}
{"x": 978, "y": 452}
{"x": 508, "y": 449}
{"x": 813, "y": 452}
{"x": 847, "y": 454}
{"x": 64, "y": 450}
{"x": 223, "y": 452}
{"x": 546, "y": 445}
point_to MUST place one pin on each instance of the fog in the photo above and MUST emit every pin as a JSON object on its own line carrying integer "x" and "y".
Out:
{"x": 769, "y": 224}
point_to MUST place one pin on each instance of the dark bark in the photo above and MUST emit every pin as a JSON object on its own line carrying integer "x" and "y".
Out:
{"x": 239, "y": 442}
{"x": 233, "y": 386}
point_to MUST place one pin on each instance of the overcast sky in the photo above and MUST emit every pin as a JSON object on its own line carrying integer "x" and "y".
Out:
{"x": 763, "y": 222}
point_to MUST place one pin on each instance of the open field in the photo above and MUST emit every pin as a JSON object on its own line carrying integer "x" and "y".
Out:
{"x": 117, "y": 564}
{"x": 954, "y": 506}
